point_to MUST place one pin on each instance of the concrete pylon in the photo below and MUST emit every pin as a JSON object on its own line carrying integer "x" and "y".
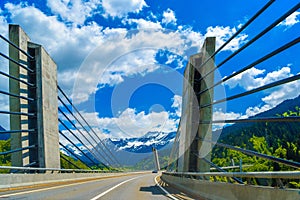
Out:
{"x": 191, "y": 147}
{"x": 45, "y": 104}
{"x": 18, "y": 122}
{"x": 156, "y": 161}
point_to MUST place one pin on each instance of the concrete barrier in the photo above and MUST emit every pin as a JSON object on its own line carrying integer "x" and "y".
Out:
{"x": 222, "y": 191}
{"x": 8, "y": 181}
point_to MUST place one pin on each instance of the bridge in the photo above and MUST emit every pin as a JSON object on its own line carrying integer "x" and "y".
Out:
{"x": 202, "y": 164}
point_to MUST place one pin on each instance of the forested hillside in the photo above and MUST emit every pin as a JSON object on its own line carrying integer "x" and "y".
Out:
{"x": 280, "y": 139}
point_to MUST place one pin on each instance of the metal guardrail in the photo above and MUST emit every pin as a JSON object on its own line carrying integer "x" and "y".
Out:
{"x": 232, "y": 167}
{"x": 31, "y": 169}
{"x": 267, "y": 174}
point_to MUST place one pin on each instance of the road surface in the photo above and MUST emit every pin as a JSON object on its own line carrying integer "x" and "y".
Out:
{"x": 134, "y": 186}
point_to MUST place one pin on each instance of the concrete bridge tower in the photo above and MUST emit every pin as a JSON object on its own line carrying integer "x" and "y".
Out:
{"x": 44, "y": 140}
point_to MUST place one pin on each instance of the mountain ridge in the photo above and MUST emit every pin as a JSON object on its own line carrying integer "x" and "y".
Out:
{"x": 4, "y": 136}
{"x": 288, "y": 104}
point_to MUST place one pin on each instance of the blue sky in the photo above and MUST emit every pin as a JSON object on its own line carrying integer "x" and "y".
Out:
{"x": 122, "y": 61}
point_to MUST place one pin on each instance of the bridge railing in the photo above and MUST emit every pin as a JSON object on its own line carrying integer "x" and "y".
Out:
{"x": 280, "y": 166}
{"x": 53, "y": 170}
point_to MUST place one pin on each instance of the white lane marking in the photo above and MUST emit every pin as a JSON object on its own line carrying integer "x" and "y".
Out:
{"x": 165, "y": 191}
{"x": 43, "y": 189}
{"x": 107, "y": 191}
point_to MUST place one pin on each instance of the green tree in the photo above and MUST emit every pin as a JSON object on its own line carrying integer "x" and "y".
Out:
{"x": 5, "y": 160}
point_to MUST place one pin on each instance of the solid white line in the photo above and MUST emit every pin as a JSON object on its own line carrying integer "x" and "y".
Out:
{"x": 40, "y": 190}
{"x": 107, "y": 191}
{"x": 165, "y": 191}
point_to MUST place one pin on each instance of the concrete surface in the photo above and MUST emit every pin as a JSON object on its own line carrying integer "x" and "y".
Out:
{"x": 222, "y": 191}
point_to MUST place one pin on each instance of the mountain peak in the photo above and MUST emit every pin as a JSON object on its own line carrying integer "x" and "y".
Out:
{"x": 145, "y": 143}
{"x": 5, "y": 136}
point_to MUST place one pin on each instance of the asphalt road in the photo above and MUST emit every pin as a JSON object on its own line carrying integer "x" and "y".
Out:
{"x": 136, "y": 186}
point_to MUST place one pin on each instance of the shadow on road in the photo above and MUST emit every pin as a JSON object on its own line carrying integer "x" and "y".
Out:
{"x": 153, "y": 189}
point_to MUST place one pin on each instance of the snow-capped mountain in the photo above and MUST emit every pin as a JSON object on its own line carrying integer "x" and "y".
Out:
{"x": 128, "y": 151}
{"x": 78, "y": 153}
{"x": 73, "y": 150}
{"x": 145, "y": 143}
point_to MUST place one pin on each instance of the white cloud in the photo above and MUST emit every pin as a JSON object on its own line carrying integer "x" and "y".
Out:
{"x": 192, "y": 38}
{"x": 177, "y": 104}
{"x": 82, "y": 143}
{"x": 75, "y": 11}
{"x": 145, "y": 24}
{"x": 3, "y": 25}
{"x": 171, "y": 58}
{"x": 169, "y": 17}
{"x": 220, "y": 115}
{"x": 253, "y": 78}
{"x": 287, "y": 91}
{"x": 291, "y": 20}
{"x": 130, "y": 123}
{"x": 133, "y": 124}
{"x": 120, "y": 8}
{"x": 222, "y": 34}
{"x": 4, "y": 102}
{"x": 3, "y": 44}
{"x": 140, "y": 62}
{"x": 76, "y": 43}
{"x": 276, "y": 96}
{"x": 120, "y": 53}
{"x": 251, "y": 111}
{"x": 123, "y": 57}
{"x": 61, "y": 41}
{"x": 4, "y": 106}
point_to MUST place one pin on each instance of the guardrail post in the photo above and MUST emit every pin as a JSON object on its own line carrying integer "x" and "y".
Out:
{"x": 18, "y": 122}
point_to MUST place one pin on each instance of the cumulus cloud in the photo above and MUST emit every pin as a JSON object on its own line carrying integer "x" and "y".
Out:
{"x": 67, "y": 45}
{"x": 169, "y": 17}
{"x": 4, "y": 106}
{"x": 177, "y": 104}
{"x": 291, "y": 20}
{"x": 274, "y": 97}
{"x": 131, "y": 123}
{"x": 220, "y": 115}
{"x": 120, "y": 53}
{"x": 124, "y": 56}
{"x": 74, "y": 11}
{"x": 120, "y": 8}
{"x": 3, "y": 25}
{"x": 286, "y": 91}
{"x": 78, "y": 43}
{"x": 254, "y": 78}
{"x": 251, "y": 111}
{"x": 145, "y": 24}
{"x": 222, "y": 34}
